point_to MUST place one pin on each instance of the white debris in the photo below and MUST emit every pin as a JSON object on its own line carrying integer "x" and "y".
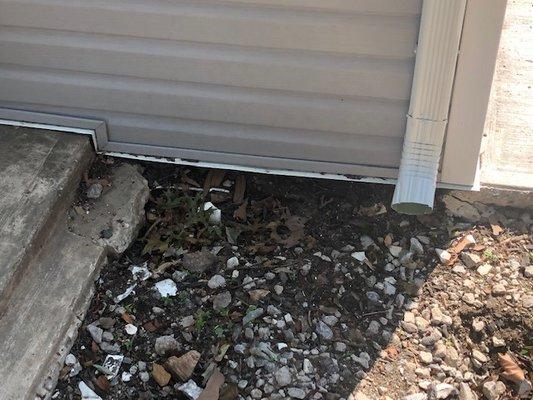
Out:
{"x": 190, "y": 389}
{"x": 130, "y": 329}
{"x": 359, "y": 256}
{"x": 87, "y": 393}
{"x": 215, "y": 215}
{"x": 126, "y": 376}
{"x": 166, "y": 288}
{"x": 395, "y": 250}
{"x": 112, "y": 365}
{"x": 140, "y": 272}
{"x": 74, "y": 364}
{"x": 126, "y": 293}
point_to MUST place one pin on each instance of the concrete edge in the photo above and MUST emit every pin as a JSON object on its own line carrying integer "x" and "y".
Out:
{"x": 62, "y": 203}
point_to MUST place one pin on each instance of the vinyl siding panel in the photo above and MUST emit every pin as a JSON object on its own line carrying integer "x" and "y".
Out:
{"x": 315, "y": 80}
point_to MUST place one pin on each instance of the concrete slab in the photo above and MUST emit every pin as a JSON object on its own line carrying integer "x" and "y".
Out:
{"x": 49, "y": 302}
{"x": 119, "y": 211}
{"x": 39, "y": 171}
{"x": 507, "y": 155}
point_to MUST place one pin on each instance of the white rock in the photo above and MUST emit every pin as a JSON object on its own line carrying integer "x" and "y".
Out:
{"x": 190, "y": 389}
{"x": 187, "y": 321}
{"x": 166, "y": 288}
{"x": 484, "y": 269}
{"x": 215, "y": 215}
{"x": 444, "y": 256}
{"x": 74, "y": 364}
{"x": 416, "y": 396}
{"x": 126, "y": 376}
{"x": 359, "y": 256}
{"x": 331, "y": 320}
{"x": 216, "y": 281}
{"x": 87, "y": 393}
{"x": 465, "y": 393}
{"x": 426, "y": 357}
{"x": 528, "y": 271}
{"x": 140, "y": 272}
{"x": 232, "y": 262}
{"x": 130, "y": 329}
{"x": 395, "y": 250}
{"x": 444, "y": 390}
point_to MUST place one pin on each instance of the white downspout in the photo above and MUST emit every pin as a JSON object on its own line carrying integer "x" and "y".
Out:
{"x": 436, "y": 56}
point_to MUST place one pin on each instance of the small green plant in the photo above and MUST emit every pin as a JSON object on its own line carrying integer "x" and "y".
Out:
{"x": 489, "y": 255}
{"x": 128, "y": 344}
{"x": 201, "y": 319}
{"x": 182, "y": 220}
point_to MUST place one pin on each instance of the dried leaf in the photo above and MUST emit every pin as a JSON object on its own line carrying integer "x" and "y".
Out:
{"x": 211, "y": 391}
{"x": 240, "y": 213}
{"x": 511, "y": 371}
{"x": 258, "y": 294}
{"x": 240, "y": 189}
{"x": 101, "y": 383}
{"x": 461, "y": 245}
{"x": 222, "y": 352}
{"x": 372, "y": 211}
{"x": 294, "y": 225}
{"x": 496, "y": 229}
{"x": 160, "y": 375}
{"x": 128, "y": 318}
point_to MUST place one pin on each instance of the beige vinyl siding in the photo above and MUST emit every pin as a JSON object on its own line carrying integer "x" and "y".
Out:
{"x": 318, "y": 84}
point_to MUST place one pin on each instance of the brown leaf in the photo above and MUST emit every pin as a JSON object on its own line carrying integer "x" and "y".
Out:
{"x": 211, "y": 391}
{"x": 496, "y": 229}
{"x": 240, "y": 213}
{"x": 258, "y": 294}
{"x": 150, "y": 326}
{"x": 372, "y": 211}
{"x": 392, "y": 352}
{"x": 511, "y": 371}
{"x": 183, "y": 367}
{"x": 101, "y": 383}
{"x": 128, "y": 318}
{"x": 160, "y": 375}
{"x": 240, "y": 189}
{"x": 294, "y": 225}
{"x": 461, "y": 245}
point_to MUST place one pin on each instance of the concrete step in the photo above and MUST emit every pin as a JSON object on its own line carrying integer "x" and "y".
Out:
{"x": 39, "y": 174}
{"x": 44, "y": 313}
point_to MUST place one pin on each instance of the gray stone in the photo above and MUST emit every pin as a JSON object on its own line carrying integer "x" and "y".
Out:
{"x": 373, "y": 328}
{"x": 164, "y": 344}
{"x": 198, "y": 261}
{"x": 478, "y": 355}
{"x": 416, "y": 246}
{"x": 528, "y": 271}
{"x": 323, "y": 331}
{"x": 94, "y": 191}
{"x": 283, "y": 376}
{"x": 296, "y": 393}
{"x": 471, "y": 260}
{"x": 444, "y": 390}
{"x": 95, "y": 332}
{"x": 216, "y": 281}
{"x": 110, "y": 348}
{"x": 493, "y": 389}
{"x": 221, "y": 300}
{"x": 251, "y": 315}
{"x": 465, "y": 393}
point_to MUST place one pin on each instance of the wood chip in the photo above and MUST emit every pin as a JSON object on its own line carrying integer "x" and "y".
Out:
{"x": 160, "y": 375}
{"x": 240, "y": 189}
{"x": 183, "y": 367}
{"x": 241, "y": 212}
{"x": 128, "y": 318}
{"x": 212, "y": 389}
{"x": 214, "y": 178}
{"x": 102, "y": 383}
